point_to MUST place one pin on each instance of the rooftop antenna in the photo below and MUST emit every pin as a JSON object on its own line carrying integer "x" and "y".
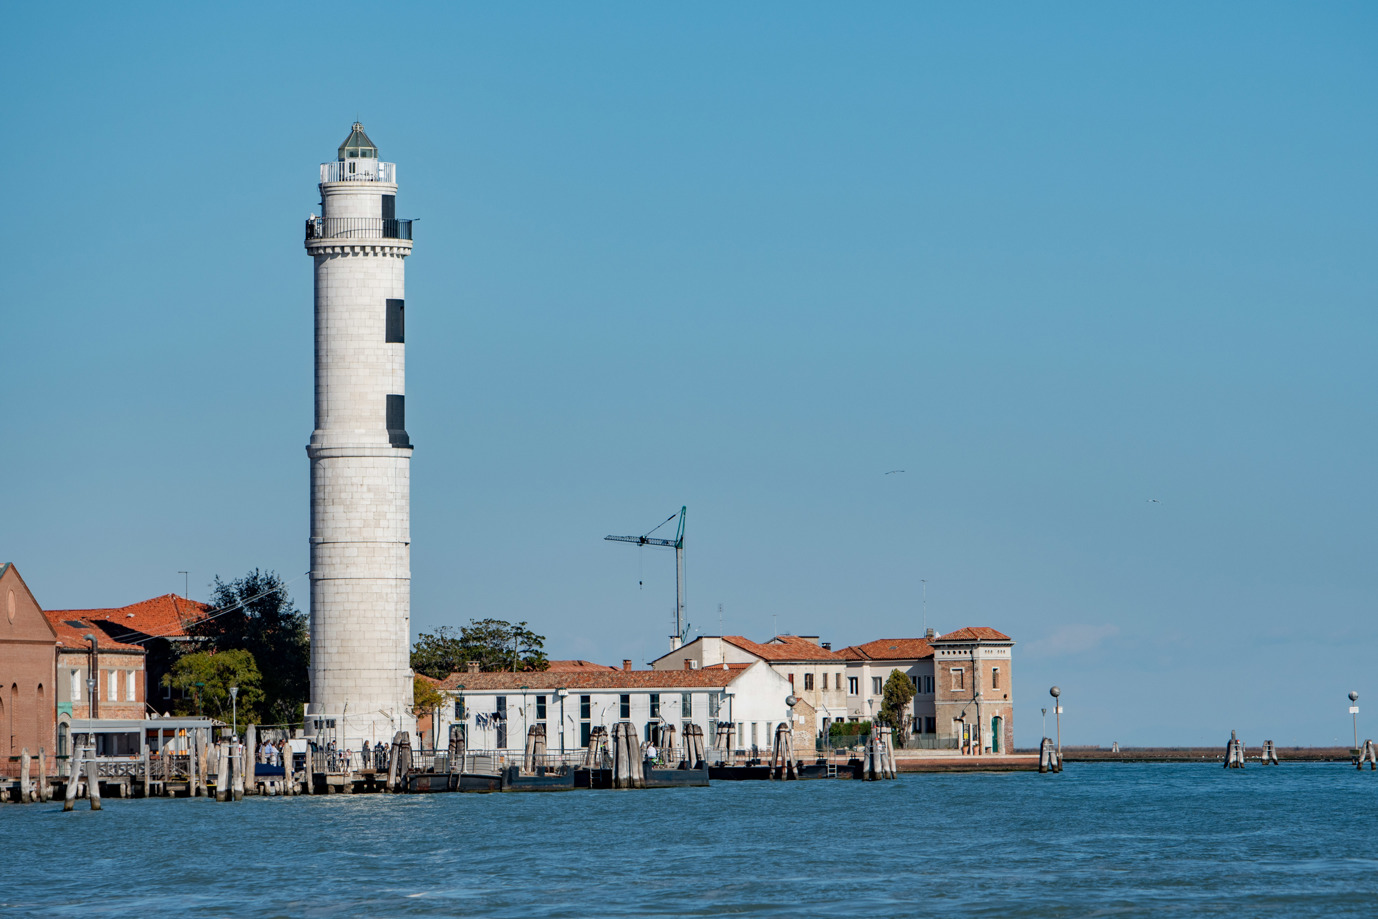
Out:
{"x": 186, "y": 586}
{"x": 924, "y": 581}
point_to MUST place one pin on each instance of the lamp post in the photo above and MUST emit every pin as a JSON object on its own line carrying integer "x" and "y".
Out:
{"x": 562, "y": 693}
{"x": 93, "y": 674}
{"x": 91, "y": 694}
{"x": 1055, "y": 692}
{"x": 234, "y": 708}
{"x": 1045, "y": 721}
{"x": 1354, "y": 712}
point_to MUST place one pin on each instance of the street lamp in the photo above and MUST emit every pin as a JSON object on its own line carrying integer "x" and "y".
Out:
{"x": 234, "y": 707}
{"x": 1055, "y": 692}
{"x": 1045, "y": 721}
{"x": 1354, "y": 711}
{"x": 562, "y": 693}
{"x": 91, "y": 694}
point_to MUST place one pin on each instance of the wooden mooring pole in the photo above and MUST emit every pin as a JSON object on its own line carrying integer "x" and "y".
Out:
{"x": 73, "y": 779}
{"x": 93, "y": 783}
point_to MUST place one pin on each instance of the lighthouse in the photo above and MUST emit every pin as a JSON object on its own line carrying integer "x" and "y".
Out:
{"x": 360, "y": 454}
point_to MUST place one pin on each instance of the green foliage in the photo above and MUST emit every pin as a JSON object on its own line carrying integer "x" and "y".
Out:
{"x": 206, "y": 677}
{"x": 494, "y": 643}
{"x": 264, "y": 621}
{"x": 425, "y": 697}
{"x": 895, "y": 698}
{"x": 843, "y": 730}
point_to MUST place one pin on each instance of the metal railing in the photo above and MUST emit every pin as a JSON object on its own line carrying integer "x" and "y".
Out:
{"x": 359, "y": 170}
{"x": 357, "y": 228}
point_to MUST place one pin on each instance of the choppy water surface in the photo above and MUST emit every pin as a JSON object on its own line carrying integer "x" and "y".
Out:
{"x": 1112, "y": 839}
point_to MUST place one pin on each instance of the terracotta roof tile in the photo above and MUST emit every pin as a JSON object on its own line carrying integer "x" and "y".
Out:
{"x": 577, "y": 666}
{"x": 784, "y": 648}
{"x": 974, "y": 633}
{"x": 167, "y": 616}
{"x": 707, "y": 678}
{"x": 72, "y": 630}
{"x": 889, "y": 649}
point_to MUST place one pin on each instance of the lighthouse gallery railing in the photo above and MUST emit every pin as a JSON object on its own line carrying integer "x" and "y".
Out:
{"x": 357, "y": 228}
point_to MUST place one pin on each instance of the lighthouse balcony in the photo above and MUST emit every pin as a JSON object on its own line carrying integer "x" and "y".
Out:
{"x": 362, "y": 169}
{"x": 357, "y": 228}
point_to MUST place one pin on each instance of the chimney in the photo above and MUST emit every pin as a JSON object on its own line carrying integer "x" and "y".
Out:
{"x": 826, "y": 645}
{"x": 472, "y": 665}
{"x": 688, "y": 664}
{"x": 930, "y": 634}
{"x": 626, "y": 664}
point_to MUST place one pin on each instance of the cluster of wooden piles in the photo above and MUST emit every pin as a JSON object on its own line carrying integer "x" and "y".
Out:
{"x": 876, "y": 761}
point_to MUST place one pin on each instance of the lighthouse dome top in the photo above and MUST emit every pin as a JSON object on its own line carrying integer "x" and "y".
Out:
{"x": 357, "y": 145}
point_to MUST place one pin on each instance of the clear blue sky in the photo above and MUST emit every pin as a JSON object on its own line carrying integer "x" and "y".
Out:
{"x": 1051, "y": 260}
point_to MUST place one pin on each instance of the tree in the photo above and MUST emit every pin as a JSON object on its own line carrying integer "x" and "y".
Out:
{"x": 895, "y": 698}
{"x": 255, "y": 614}
{"x": 494, "y": 643}
{"x": 426, "y": 699}
{"x": 205, "y": 679}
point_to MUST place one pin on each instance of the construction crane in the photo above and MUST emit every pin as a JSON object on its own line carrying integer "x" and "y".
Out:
{"x": 681, "y": 627}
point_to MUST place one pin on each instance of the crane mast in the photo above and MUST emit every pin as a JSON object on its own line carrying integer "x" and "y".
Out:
{"x": 681, "y": 627}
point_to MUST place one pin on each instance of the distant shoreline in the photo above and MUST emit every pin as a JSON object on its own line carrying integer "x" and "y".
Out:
{"x": 1072, "y": 754}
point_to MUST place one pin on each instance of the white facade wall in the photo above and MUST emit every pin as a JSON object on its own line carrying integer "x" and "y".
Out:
{"x": 866, "y": 702}
{"x": 360, "y": 482}
{"x": 756, "y": 697}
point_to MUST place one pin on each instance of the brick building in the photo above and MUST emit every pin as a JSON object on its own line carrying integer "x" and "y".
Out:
{"x": 868, "y": 667}
{"x": 27, "y": 672}
{"x": 85, "y": 651}
{"x": 160, "y": 626}
{"x": 974, "y": 689}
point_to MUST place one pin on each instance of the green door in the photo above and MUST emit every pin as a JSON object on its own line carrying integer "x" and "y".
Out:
{"x": 995, "y": 734}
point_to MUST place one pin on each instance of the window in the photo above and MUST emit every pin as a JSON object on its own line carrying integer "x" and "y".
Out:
{"x": 995, "y": 678}
{"x": 389, "y": 207}
{"x": 76, "y": 686}
{"x": 838, "y": 681}
{"x": 500, "y": 716}
{"x": 931, "y": 723}
{"x": 740, "y": 729}
{"x": 928, "y": 684}
{"x": 625, "y": 710}
{"x": 959, "y": 678}
{"x": 851, "y": 686}
{"x": 112, "y": 686}
{"x": 714, "y": 702}
{"x": 825, "y": 682}
{"x": 877, "y": 685}
{"x": 655, "y": 705}
{"x": 396, "y": 325}
{"x": 397, "y": 420}
{"x": 540, "y": 708}
{"x": 808, "y": 681}
{"x": 129, "y": 687}
{"x": 686, "y": 705}
{"x": 584, "y": 730}
{"x": 585, "y": 708}
{"x": 459, "y": 710}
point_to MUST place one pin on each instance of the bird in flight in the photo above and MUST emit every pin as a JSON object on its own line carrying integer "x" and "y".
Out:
{"x": 893, "y": 471}
{"x": 1153, "y": 501}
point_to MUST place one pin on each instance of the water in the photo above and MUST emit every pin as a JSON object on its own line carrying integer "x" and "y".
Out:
{"x": 1098, "y": 840}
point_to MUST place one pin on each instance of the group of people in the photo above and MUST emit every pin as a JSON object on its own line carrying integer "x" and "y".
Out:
{"x": 273, "y": 753}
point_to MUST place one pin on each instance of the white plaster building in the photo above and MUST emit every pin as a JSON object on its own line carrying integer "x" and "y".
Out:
{"x": 360, "y": 453}
{"x": 814, "y": 672}
{"x": 497, "y": 708}
{"x": 870, "y": 665}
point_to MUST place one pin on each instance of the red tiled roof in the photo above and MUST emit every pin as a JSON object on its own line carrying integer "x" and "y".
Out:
{"x": 577, "y": 666}
{"x": 72, "y": 630}
{"x": 974, "y": 633}
{"x": 167, "y": 616}
{"x": 889, "y": 649}
{"x": 707, "y": 678}
{"x": 784, "y": 648}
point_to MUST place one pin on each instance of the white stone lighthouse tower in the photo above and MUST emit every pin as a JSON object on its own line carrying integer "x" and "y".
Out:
{"x": 360, "y": 455}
